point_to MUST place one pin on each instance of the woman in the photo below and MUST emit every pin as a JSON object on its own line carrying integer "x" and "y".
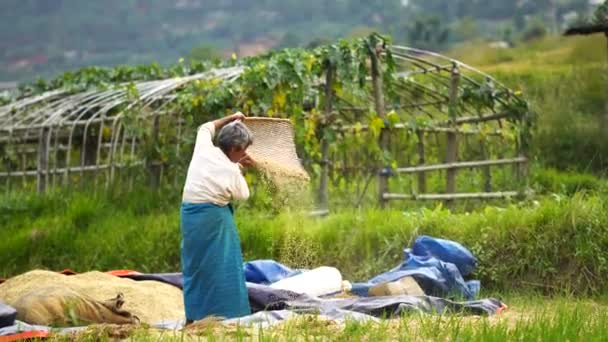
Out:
{"x": 214, "y": 284}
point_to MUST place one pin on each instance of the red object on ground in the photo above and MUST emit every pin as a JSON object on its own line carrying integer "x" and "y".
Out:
{"x": 501, "y": 309}
{"x": 27, "y": 335}
{"x": 123, "y": 273}
{"x": 68, "y": 272}
{"x": 117, "y": 273}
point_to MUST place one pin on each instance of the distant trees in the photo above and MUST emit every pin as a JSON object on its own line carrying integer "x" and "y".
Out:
{"x": 111, "y": 31}
{"x": 535, "y": 29}
{"x": 427, "y": 33}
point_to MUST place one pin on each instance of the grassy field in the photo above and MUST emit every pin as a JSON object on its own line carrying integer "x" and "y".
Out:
{"x": 554, "y": 243}
{"x": 529, "y": 318}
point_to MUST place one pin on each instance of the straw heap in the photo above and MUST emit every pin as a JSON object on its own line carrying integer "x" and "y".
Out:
{"x": 151, "y": 301}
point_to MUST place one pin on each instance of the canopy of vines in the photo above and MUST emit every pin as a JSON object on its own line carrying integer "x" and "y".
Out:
{"x": 108, "y": 121}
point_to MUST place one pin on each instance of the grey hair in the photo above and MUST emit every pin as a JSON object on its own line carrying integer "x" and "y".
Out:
{"x": 234, "y": 134}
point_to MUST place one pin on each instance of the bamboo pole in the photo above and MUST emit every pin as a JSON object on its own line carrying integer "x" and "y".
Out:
{"x": 99, "y": 151}
{"x": 462, "y": 165}
{"x": 91, "y": 168}
{"x": 55, "y": 129}
{"x": 347, "y": 128}
{"x": 323, "y": 181}
{"x": 178, "y": 146}
{"x": 451, "y": 197}
{"x": 421, "y": 162}
{"x": 379, "y": 105}
{"x": 487, "y": 174}
{"x": 452, "y": 143}
{"x": 522, "y": 170}
{"x": 23, "y": 168}
{"x": 43, "y": 159}
{"x": 154, "y": 166}
{"x": 483, "y": 118}
{"x": 8, "y": 167}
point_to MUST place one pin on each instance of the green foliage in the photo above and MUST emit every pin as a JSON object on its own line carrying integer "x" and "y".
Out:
{"x": 103, "y": 78}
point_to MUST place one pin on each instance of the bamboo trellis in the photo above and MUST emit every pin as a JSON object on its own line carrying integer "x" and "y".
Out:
{"x": 56, "y": 139}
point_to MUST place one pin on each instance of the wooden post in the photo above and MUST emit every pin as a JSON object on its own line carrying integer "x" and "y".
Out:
{"x": 43, "y": 159}
{"x": 323, "y": 181}
{"x": 452, "y": 143}
{"x": 379, "y": 105}
{"x": 421, "y": 161}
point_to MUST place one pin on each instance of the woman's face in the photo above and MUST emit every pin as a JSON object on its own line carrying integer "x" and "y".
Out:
{"x": 236, "y": 154}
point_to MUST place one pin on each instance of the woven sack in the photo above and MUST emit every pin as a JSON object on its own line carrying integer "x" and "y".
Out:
{"x": 60, "y": 306}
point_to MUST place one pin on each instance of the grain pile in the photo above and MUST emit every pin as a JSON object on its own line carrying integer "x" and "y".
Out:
{"x": 151, "y": 301}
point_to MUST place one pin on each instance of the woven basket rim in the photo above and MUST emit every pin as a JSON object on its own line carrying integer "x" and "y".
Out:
{"x": 262, "y": 118}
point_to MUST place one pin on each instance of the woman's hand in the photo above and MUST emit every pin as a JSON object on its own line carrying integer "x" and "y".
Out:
{"x": 219, "y": 123}
{"x": 247, "y": 161}
{"x": 238, "y": 116}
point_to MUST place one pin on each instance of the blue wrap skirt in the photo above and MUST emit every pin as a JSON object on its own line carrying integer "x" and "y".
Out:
{"x": 212, "y": 263}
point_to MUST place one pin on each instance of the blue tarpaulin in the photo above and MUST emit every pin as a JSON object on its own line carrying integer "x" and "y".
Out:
{"x": 447, "y": 251}
{"x": 267, "y": 272}
{"x": 434, "y": 264}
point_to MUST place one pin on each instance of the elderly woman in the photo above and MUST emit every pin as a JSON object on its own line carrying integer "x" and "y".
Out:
{"x": 214, "y": 284}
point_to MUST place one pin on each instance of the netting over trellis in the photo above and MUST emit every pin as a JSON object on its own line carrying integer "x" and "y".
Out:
{"x": 417, "y": 107}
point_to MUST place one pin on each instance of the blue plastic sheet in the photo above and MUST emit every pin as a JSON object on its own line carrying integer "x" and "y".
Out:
{"x": 433, "y": 270}
{"x": 267, "y": 272}
{"x": 447, "y": 251}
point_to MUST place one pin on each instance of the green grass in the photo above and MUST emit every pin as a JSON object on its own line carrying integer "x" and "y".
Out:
{"x": 554, "y": 244}
{"x": 528, "y": 319}
{"x": 550, "y": 180}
